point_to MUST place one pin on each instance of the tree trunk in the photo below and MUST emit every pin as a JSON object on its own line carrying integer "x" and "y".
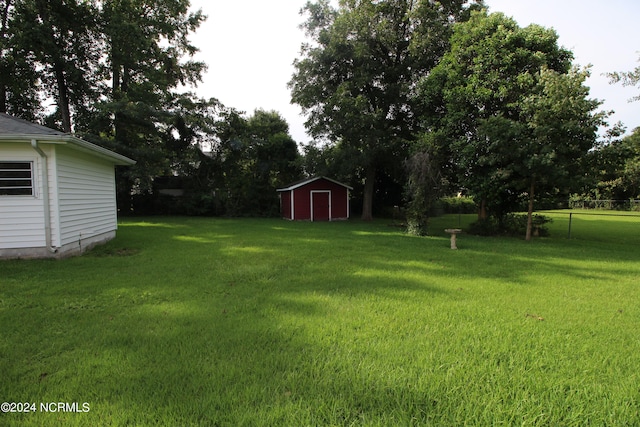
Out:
{"x": 3, "y": 30}
{"x": 119, "y": 87}
{"x": 530, "y": 211}
{"x": 5, "y": 18}
{"x": 367, "y": 199}
{"x": 3, "y": 98}
{"x": 482, "y": 210}
{"x": 58, "y": 64}
{"x": 116, "y": 97}
{"x": 63, "y": 97}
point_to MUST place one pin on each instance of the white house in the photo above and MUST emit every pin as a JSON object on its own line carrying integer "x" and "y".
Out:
{"x": 57, "y": 191}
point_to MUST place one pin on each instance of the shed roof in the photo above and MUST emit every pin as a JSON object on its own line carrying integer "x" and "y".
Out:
{"x": 13, "y": 129}
{"x": 304, "y": 182}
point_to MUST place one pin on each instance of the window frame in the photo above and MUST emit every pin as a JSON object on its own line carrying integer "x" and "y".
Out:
{"x": 5, "y": 190}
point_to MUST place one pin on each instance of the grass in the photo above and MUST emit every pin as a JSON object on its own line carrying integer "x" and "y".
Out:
{"x": 201, "y": 322}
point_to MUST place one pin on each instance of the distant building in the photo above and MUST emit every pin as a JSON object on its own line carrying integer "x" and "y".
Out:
{"x": 315, "y": 199}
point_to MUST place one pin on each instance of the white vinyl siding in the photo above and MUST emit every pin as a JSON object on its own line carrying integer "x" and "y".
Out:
{"x": 86, "y": 196}
{"x": 21, "y": 224}
{"x": 22, "y": 216}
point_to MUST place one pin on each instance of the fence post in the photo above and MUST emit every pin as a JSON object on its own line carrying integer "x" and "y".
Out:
{"x": 570, "y": 218}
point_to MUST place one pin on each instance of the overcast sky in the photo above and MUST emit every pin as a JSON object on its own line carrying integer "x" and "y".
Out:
{"x": 250, "y": 45}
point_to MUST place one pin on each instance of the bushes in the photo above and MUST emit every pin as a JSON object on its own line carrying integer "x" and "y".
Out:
{"x": 513, "y": 224}
{"x": 484, "y": 227}
{"x": 463, "y": 205}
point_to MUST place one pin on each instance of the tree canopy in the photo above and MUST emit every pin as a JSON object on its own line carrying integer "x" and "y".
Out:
{"x": 512, "y": 114}
{"x": 356, "y": 79}
{"x": 627, "y": 78}
{"x": 615, "y": 167}
{"x": 115, "y": 72}
{"x": 415, "y": 94}
{"x": 252, "y": 158}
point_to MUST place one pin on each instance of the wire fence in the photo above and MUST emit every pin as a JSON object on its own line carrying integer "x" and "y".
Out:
{"x": 622, "y": 205}
{"x": 630, "y": 222}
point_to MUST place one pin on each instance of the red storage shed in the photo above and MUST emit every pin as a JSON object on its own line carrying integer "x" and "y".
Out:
{"x": 315, "y": 199}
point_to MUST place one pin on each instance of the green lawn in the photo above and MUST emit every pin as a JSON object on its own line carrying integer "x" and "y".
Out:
{"x": 201, "y": 321}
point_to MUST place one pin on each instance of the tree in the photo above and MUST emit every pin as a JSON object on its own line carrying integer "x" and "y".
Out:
{"x": 115, "y": 70}
{"x": 356, "y": 81}
{"x": 493, "y": 65}
{"x": 146, "y": 45}
{"x": 255, "y": 156}
{"x": 627, "y": 78}
{"x": 539, "y": 148}
{"x": 19, "y": 88}
{"x": 423, "y": 184}
{"x": 62, "y": 39}
{"x": 631, "y": 171}
{"x": 631, "y": 174}
{"x": 616, "y": 166}
{"x": 273, "y": 157}
{"x": 276, "y": 152}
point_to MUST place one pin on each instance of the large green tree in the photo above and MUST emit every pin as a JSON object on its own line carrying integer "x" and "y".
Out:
{"x": 254, "y": 156}
{"x": 491, "y": 65}
{"x": 514, "y": 114}
{"x": 147, "y": 60}
{"x": 62, "y": 41}
{"x": 19, "y": 80}
{"x": 116, "y": 71}
{"x": 357, "y": 77}
{"x": 276, "y": 153}
{"x": 542, "y": 149}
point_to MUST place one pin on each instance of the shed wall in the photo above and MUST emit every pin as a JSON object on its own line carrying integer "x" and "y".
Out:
{"x": 302, "y": 203}
{"x": 86, "y": 194}
{"x": 285, "y": 204}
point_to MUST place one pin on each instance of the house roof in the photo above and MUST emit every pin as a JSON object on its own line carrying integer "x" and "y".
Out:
{"x": 299, "y": 184}
{"x": 10, "y": 125}
{"x": 13, "y": 129}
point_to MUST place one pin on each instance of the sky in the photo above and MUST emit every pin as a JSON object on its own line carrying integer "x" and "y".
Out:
{"x": 250, "y": 45}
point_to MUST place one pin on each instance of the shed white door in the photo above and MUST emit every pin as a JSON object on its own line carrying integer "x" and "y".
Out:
{"x": 320, "y": 205}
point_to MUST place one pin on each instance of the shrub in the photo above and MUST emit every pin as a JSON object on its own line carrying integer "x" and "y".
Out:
{"x": 463, "y": 205}
{"x": 485, "y": 227}
{"x": 417, "y": 225}
{"x": 513, "y": 224}
{"x": 516, "y": 224}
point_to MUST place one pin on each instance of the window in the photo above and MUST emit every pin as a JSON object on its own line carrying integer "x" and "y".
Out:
{"x": 16, "y": 178}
